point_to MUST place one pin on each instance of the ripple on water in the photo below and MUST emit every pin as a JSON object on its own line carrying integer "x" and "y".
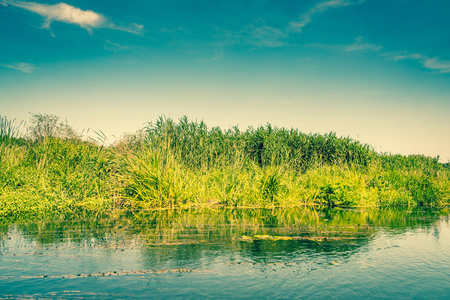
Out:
{"x": 206, "y": 256}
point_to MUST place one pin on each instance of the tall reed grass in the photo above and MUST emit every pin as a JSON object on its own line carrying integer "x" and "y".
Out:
{"x": 270, "y": 166}
{"x": 185, "y": 164}
{"x": 266, "y": 145}
{"x": 10, "y": 130}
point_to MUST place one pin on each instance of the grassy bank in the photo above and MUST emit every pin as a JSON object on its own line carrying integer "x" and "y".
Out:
{"x": 47, "y": 168}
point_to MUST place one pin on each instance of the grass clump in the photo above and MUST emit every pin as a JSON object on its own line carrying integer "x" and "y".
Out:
{"x": 45, "y": 173}
{"x": 185, "y": 164}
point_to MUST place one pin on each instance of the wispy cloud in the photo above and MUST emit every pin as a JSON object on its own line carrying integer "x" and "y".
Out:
{"x": 264, "y": 36}
{"x": 174, "y": 30}
{"x": 306, "y": 18}
{"x": 261, "y": 35}
{"x": 218, "y": 55}
{"x": 116, "y": 47}
{"x": 402, "y": 56}
{"x": 257, "y": 34}
{"x": 358, "y": 45}
{"x": 21, "y": 66}
{"x": 442, "y": 66}
{"x": 66, "y": 13}
{"x": 432, "y": 63}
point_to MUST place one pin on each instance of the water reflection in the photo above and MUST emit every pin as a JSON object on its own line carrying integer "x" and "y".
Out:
{"x": 187, "y": 234}
{"x": 223, "y": 245}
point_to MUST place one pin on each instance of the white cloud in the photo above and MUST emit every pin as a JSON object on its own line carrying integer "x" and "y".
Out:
{"x": 358, "y": 45}
{"x": 260, "y": 35}
{"x": 443, "y": 66}
{"x": 257, "y": 34}
{"x": 115, "y": 47}
{"x": 132, "y": 28}
{"x": 432, "y": 63}
{"x": 306, "y": 18}
{"x": 66, "y": 13}
{"x": 398, "y": 57}
{"x": 21, "y": 66}
{"x": 264, "y": 36}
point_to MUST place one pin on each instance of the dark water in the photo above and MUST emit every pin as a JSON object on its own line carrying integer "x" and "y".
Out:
{"x": 300, "y": 253}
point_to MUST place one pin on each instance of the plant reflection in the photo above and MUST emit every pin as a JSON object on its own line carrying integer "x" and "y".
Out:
{"x": 195, "y": 237}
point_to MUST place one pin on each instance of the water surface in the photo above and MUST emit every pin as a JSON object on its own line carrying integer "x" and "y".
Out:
{"x": 300, "y": 253}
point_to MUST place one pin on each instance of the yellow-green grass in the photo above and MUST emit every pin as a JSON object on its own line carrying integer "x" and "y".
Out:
{"x": 185, "y": 164}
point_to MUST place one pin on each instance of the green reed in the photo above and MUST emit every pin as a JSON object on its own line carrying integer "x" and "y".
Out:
{"x": 266, "y": 145}
{"x": 270, "y": 166}
{"x": 185, "y": 164}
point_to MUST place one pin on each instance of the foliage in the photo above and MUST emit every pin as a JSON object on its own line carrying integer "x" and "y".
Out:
{"x": 49, "y": 126}
{"x": 55, "y": 174}
{"x": 185, "y": 164}
{"x": 265, "y": 145}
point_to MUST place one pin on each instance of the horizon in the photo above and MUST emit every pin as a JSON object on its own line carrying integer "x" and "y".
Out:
{"x": 376, "y": 71}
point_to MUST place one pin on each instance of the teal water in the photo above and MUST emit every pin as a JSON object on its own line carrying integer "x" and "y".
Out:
{"x": 281, "y": 254}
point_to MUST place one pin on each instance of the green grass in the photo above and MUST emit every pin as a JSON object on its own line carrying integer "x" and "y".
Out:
{"x": 183, "y": 164}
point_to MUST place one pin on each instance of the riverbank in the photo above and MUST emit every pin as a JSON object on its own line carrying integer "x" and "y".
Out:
{"x": 186, "y": 164}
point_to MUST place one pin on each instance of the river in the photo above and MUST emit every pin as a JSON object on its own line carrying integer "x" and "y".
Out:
{"x": 299, "y": 253}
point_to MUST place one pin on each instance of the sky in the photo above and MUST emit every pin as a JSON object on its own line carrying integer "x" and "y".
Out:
{"x": 377, "y": 71}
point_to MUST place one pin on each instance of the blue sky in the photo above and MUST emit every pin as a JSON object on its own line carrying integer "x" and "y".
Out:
{"x": 375, "y": 70}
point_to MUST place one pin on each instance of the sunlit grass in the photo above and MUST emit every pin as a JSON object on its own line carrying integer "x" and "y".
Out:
{"x": 186, "y": 164}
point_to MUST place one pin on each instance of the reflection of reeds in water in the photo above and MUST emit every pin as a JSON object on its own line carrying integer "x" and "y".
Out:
{"x": 170, "y": 239}
{"x": 161, "y": 227}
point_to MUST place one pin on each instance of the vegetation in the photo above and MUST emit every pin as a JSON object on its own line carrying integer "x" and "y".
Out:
{"x": 49, "y": 168}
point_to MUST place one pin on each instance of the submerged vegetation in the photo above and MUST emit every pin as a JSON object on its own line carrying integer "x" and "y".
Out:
{"x": 50, "y": 168}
